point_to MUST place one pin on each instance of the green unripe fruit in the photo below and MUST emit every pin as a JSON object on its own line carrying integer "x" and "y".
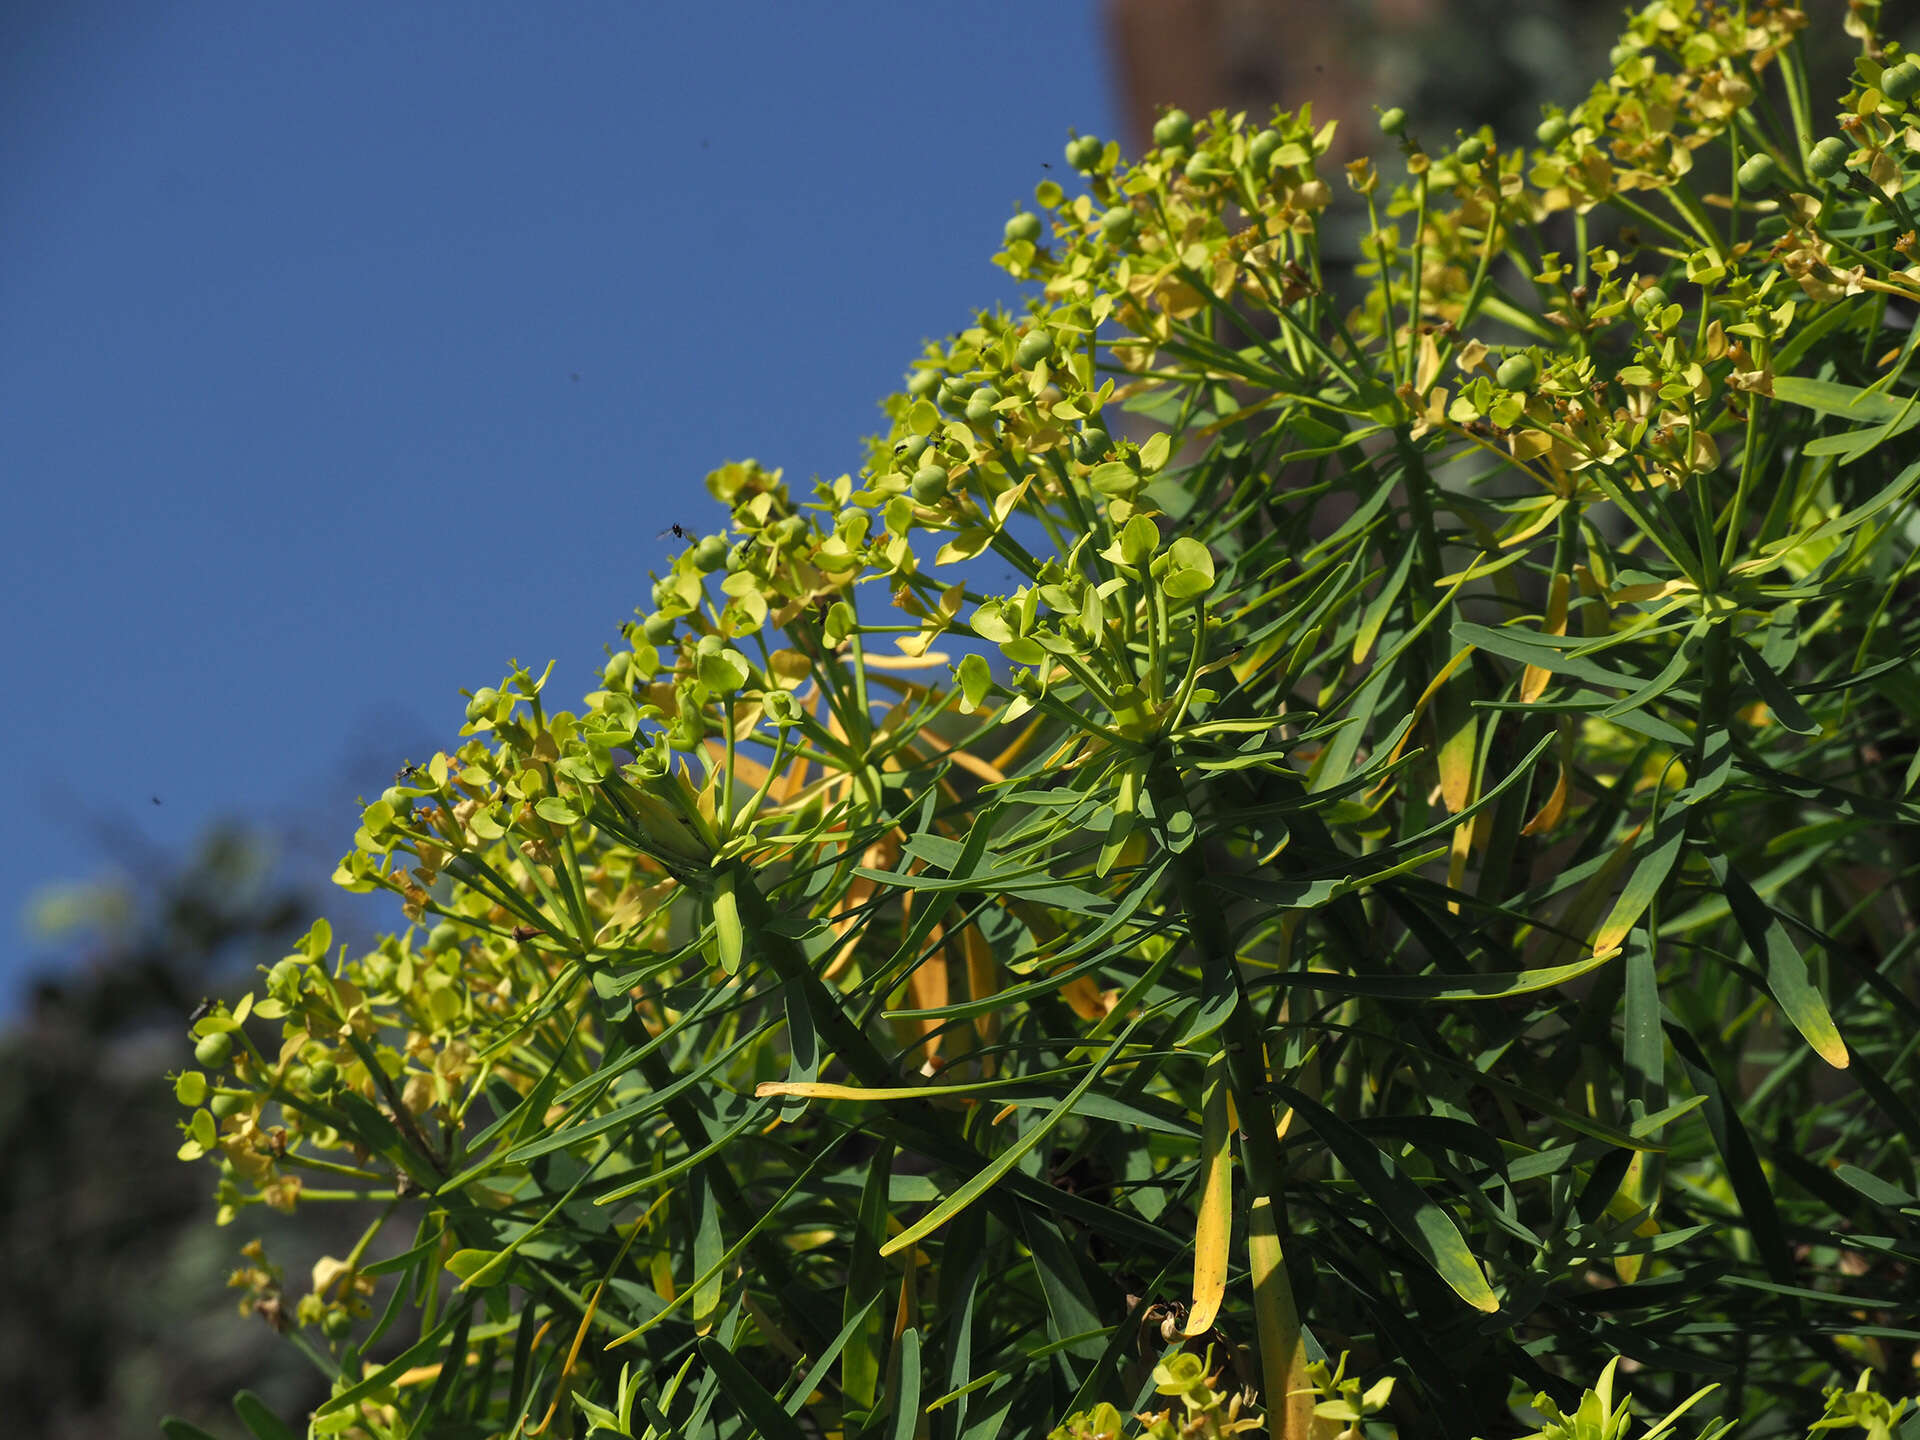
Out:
{"x": 953, "y": 394}
{"x": 1200, "y": 167}
{"x": 482, "y": 703}
{"x": 1260, "y": 150}
{"x": 1173, "y": 128}
{"x": 614, "y": 673}
{"x": 930, "y": 484}
{"x": 737, "y": 556}
{"x": 323, "y": 1075}
{"x": 790, "y": 530}
{"x": 382, "y": 971}
{"x": 397, "y": 798}
{"x": 710, "y": 553}
{"x": 1024, "y": 226}
{"x": 657, "y": 628}
{"x": 1035, "y": 346}
{"x": 1553, "y": 130}
{"x": 1900, "y": 83}
{"x": 1758, "y": 172}
{"x": 1393, "y": 122}
{"x": 1516, "y": 372}
{"x": 443, "y": 936}
{"x": 1828, "y": 158}
{"x": 923, "y": 383}
{"x": 1083, "y": 152}
{"x": 1092, "y": 444}
{"x": 1471, "y": 151}
{"x": 912, "y": 449}
{"x": 214, "y": 1050}
{"x": 980, "y": 404}
{"x": 223, "y": 1104}
{"x": 1117, "y": 224}
{"x": 337, "y": 1325}
{"x": 1648, "y": 300}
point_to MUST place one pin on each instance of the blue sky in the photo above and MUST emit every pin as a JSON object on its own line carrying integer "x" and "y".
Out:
{"x": 351, "y": 350}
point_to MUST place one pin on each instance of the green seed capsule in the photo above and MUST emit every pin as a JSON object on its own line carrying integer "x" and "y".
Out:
{"x": 953, "y": 395}
{"x": 337, "y": 1324}
{"x": 1083, "y": 152}
{"x": 214, "y": 1050}
{"x": 1091, "y": 445}
{"x": 482, "y": 703}
{"x": 710, "y": 553}
{"x": 930, "y": 483}
{"x": 1900, "y": 83}
{"x": 1471, "y": 151}
{"x": 1200, "y": 167}
{"x": 223, "y": 1104}
{"x": 1117, "y": 224}
{"x": 1648, "y": 300}
{"x": 1024, "y": 226}
{"x": 1516, "y": 372}
{"x": 1759, "y": 173}
{"x": 1393, "y": 122}
{"x": 1173, "y": 128}
{"x": 1034, "y": 346}
{"x": 980, "y": 404}
{"x": 1553, "y": 130}
{"x": 923, "y": 383}
{"x": 614, "y": 673}
{"x": 1828, "y": 158}
{"x": 657, "y": 628}
{"x": 1261, "y": 148}
{"x": 323, "y": 1075}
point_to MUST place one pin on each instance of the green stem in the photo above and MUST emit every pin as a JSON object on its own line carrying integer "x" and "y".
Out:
{"x": 1277, "y": 1314}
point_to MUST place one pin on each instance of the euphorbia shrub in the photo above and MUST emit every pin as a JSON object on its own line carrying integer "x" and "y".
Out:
{"x": 1418, "y": 868}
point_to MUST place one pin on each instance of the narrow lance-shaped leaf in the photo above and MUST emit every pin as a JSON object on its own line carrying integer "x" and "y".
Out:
{"x": 1786, "y": 969}
{"x": 1643, "y": 885}
{"x": 1213, "y": 1228}
{"x": 977, "y": 1186}
{"x": 1421, "y": 1222}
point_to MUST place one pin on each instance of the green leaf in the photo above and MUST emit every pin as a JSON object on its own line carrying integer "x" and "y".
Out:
{"x": 980, "y": 1183}
{"x": 468, "y": 1266}
{"x": 1213, "y": 1225}
{"x": 1429, "y": 1229}
{"x": 1643, "y": 886}
{"x": 557, "y": 811}
{"x": 976, "y": 681}
{"x": 1190, "y": 571}
{"x": 1493, "y": 985}
{"x": 1786, "y": 970}
{"x": 1830, "y": 397}
{"x": 907, "y": 1413}
{"x": 769, "y": 1419}
{"x": 1787, "y": 710}
{"x": 865, "y": 1283}
{"x": 175, "y": 1428}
